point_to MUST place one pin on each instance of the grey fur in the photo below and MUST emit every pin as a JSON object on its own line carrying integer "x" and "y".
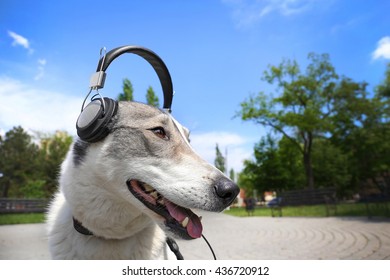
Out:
{"x": 80, "y": 149}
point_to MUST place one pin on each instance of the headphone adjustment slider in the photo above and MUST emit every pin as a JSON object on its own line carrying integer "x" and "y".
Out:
{"x": 97, "y": 80}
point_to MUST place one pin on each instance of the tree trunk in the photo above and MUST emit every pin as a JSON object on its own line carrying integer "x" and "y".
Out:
{"x": 5, "y": 189}
{"x": 308, "y": 171}
{"x": 308, "y": 141}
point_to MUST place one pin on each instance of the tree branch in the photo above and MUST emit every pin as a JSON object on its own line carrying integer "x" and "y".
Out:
{"x": 277, "y": 128}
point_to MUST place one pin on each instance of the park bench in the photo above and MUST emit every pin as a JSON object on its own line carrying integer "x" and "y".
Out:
{"x": 276, "y": 206}
{"x": 14, "y": 205}
{"x": 325, "y": 196}
{"x": 376, "y": 201}
{"x": 250, "y": 204}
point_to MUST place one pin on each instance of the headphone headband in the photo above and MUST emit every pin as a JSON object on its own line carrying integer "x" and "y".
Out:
{"x": 151, "y": 57}
{"x": 93, "y": 124}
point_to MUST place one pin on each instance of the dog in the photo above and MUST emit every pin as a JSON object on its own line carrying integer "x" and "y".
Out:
{"x": 120, "y": 198}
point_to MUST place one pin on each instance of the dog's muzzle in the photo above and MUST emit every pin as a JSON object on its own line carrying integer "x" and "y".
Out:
{"x": 180, "y": 220}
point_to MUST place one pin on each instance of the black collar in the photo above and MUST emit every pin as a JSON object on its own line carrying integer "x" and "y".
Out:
{"x": 171, "y": 242}
{"x": 80, "y": 228}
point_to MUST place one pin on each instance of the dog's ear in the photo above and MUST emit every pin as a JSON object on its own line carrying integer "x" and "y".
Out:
{"x": 92, "y": 124}
{"x": 187, "y": 133}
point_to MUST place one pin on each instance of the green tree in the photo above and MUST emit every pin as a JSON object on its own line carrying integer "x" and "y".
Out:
{"x": 361, "y": 131}
{"x": 305, "y": 105}
{"x": 151, "y": 98}
{"x": 53, "y": 149}
{"x": 368, "y": 139}
{"x": 33, "y": 189}
{"x": 232, "y": 175}
{"x": 127, "y": 94}
{"x": 266, "y": 170}
{"x": 382, "y": 127}
{"x": 291, "y": 161}
{"x": 18, "y": 161}
{"x": 220, "y": 161}
{"x": 331, "y": 166}
{"x": 246, "y": 179}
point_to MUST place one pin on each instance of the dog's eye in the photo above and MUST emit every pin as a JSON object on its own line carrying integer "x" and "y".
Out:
{"x": 160, "y": 132}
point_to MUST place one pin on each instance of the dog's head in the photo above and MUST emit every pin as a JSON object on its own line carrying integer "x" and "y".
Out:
{"x": 147, "y": 161}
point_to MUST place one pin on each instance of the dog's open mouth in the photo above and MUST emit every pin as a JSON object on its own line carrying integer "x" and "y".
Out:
{"x": 180, "y": 220}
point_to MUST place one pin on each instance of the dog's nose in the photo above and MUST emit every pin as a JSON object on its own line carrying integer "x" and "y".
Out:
{"x": 226, "y": 190}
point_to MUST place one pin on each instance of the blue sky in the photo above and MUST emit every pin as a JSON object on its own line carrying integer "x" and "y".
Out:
{"x": 216, "y": 52}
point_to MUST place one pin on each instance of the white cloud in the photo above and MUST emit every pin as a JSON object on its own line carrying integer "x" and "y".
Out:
{"x": 248, "y": 12}
{"x": 285, "y": 7}
{"x": 42, "y": 62}
{"x": 346, "y": 25}
{"x": 383, "y": 49}
{"x": 238, "y": 148}
{"x": 41, "y": 69}
{"x": 36, "y": 109}
{"x": 19, "y": 40}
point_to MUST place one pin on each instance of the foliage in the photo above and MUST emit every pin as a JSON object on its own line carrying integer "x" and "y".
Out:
{"x": 276, "y": 166}
{"x": 30, "y": 170}
{"x": 33, "y": 189}
{"x": 332, "y": 131}
{"x": 220, "y": 161}
{"x": 247, "y": 181}
{"x": 330, "y": 165}
{"x": 292, "y": 165}
{"x": 151, "y": 98}
{"x": 362, "y": 132}
{"x": 127, "y": 94}
{"x": 232, "y": 175}
{"x": 53, "y": 149}
{"x": 18, "y": 159}
{"x": 266, "y": 169}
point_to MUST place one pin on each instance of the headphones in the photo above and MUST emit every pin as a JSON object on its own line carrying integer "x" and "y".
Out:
{"x": 93, "y": 123}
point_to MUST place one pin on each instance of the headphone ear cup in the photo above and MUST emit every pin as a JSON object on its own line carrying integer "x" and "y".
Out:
{"x": 92, "y": 124}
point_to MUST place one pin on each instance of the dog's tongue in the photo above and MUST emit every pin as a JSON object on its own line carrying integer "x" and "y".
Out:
{"x": 194, "y": 227}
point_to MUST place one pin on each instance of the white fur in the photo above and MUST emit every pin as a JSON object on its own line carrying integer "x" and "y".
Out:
{"x": 132, "y": 235}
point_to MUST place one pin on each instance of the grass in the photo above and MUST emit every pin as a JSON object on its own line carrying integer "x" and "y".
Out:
{"x": 344, "y": 209}
{"x": 30, "y": 218}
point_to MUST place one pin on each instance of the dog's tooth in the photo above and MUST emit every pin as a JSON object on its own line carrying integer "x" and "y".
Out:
{"x": 184, "y": 223}
{"x": 154, "y": 194}
{"x": 200, "y": 218}
{"x": 148, "y": 187}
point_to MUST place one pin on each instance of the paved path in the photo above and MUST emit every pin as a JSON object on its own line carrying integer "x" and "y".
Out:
{"x": 291, "y": 238}
{"x": 247, "y": 238}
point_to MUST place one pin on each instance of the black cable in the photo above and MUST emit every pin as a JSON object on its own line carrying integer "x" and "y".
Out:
{"x": 211, "y": 249}
{"x": 174, "y": 248}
